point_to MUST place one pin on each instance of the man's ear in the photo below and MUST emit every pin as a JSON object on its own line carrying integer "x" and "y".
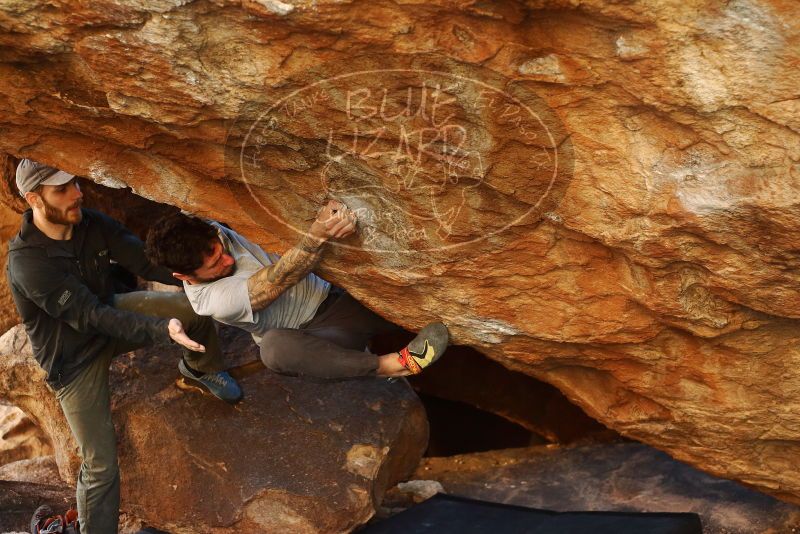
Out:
{"x": 34, "y": 200}
{"x": 182, "y": 277}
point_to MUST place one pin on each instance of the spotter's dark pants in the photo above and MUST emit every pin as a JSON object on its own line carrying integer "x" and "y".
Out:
{"x": 86, "y": 402}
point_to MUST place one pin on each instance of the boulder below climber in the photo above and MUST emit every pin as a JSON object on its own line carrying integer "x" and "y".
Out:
{"x": 294, "y": 455}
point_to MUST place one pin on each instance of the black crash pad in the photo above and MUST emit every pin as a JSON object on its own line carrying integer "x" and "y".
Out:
{"x": 447, "y": 514}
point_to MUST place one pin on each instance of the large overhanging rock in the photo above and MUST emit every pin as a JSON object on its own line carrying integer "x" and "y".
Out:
{"x": 293, "y": 456}
{"x": 600, "y": 194}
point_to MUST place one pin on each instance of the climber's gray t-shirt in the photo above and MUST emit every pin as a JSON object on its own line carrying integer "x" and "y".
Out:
{"x": 227, "y": 299}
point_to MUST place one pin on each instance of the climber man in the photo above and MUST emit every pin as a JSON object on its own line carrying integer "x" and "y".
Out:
{"x": 59, "y": 272}
{"x": 302, "y": 324}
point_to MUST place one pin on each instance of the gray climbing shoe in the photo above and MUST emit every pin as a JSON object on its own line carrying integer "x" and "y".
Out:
{"x": 426, "y": 348}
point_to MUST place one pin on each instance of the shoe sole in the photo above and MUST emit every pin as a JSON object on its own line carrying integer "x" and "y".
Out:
{"x": 434, "y": 337}
{"x": 206, "y": 388}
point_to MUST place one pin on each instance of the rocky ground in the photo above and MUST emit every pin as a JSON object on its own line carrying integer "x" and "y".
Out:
{"x": 602, "y": 477}
{"x": 294, "y": 454}
{"x": 628, "y": 477}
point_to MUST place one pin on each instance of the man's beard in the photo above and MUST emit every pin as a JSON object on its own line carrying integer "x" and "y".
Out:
{"x": 209, "y": 280}
{"x": 66, "y": 217}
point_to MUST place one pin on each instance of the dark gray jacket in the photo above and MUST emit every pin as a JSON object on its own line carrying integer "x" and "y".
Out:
{"x": 65, "y": 300}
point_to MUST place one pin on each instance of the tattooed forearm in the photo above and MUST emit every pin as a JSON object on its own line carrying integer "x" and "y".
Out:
{"x": 267, "y": 284}
{"x": 333, "y": 221}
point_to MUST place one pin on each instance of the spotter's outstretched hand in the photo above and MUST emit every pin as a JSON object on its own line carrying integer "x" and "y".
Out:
{"x": 178, "y": 335}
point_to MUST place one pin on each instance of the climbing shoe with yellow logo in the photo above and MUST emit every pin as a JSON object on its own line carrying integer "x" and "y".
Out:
{"x": 426, "y": 348}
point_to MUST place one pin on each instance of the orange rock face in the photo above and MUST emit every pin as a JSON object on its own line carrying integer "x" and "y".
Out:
{"x": 600, "y": 194}
{"x": 11, "y": 205}
{"x": 20, "y": 439}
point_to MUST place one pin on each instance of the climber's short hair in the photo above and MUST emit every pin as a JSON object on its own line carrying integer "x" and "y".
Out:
{"x": 180, "y": 242}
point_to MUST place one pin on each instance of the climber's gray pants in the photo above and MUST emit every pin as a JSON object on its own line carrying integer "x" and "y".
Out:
{"x": 331, "y": 345}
